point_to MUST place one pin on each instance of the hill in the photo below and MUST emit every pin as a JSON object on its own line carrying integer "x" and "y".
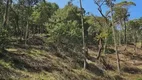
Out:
{"x": 34, "y": 63}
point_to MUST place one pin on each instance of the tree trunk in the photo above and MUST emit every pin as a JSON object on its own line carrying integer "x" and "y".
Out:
{"x": 135, "y": 42}
{"x": 100, "y": 48}
{"x": 125, "y": 35}
{"x": 5, "y": 19}
{"x": 26, "y": 32}
{"x": 119, "y": 38}
{"x": 84, "y": 51}
{"x": 114, "y": 38}
{"x": 105, "y": 45}
{"x": 121, "y": 32}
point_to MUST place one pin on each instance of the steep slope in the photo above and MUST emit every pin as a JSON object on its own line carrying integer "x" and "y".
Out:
{"x": 34, "y": 63}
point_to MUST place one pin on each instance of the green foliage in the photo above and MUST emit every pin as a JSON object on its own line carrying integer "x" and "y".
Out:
{"x": 133, "y": 25}
{"x": 139, "y": 79}
{"x": 125, "y": 4}
{"x": 43, "y": 11}
{"x": 64, "y": 27}
{"x": 4, "y": 39}
{"x": 120, "y": 14}
{"x": 99, "y": 26}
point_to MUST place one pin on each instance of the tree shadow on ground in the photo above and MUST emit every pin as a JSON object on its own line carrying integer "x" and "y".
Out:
{"x": 133, "y": 56}
{"x": 6, "y": 73}
{"x": 136, "y": 57}
{"x": 117, "y": 77}
{"x": 106, "y": 65}
{"x": 132, "y": 70}
{"x": 94, "y": 69}
{"x": 110, "y": 51}
{"x": 25, "y": 62}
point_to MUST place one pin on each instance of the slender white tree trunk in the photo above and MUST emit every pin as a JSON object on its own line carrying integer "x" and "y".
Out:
{"x": 114, "y": 38}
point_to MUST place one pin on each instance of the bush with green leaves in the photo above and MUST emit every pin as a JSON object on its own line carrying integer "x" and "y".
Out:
{"x": 4, "y": 40}
{"x": 64, "y": 27}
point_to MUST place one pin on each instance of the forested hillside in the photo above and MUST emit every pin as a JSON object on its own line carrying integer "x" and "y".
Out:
{"x": 41, "y": 41}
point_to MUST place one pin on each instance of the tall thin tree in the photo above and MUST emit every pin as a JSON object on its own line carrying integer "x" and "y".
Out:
{"x": 114, "y": 35}
{"x": 84, "y": 49}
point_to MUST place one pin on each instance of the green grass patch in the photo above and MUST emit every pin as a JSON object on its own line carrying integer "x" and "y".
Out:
{"x": 139, "y": 79}
{"x": 36, "y": 53}
{"x": 5, "y": 64}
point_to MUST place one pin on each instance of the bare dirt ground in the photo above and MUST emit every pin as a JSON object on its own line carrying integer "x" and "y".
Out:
{"x": 130, "y": 60}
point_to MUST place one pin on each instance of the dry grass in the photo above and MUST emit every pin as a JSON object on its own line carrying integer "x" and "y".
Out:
{"x": 36, "y": 64}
